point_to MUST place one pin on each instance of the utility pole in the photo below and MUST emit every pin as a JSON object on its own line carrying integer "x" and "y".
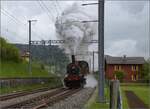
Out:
{"x": 93, "y": 61}
{"x": 30, "y": 72}
{"x": 101, "y": 50}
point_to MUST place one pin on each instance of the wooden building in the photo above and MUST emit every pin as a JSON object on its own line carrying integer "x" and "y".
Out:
{"x": 25, "y": 56}
{"x": 131, "y": 66}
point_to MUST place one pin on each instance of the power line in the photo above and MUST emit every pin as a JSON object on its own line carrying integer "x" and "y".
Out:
{"x": 17, "y": 20}
{"x": 58, "y": 4}
{"x": 42, "y": 5}
{"x": 12, "y": 32}
{"x": 45, "y": 8}
{"x": 12, "y": 17}
{"x": 57, "y": 10}
{"x": 20, "y": 21}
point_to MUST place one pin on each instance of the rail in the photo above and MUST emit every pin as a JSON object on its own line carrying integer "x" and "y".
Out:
{"x": 22, "y": 93}
{"x": 43, "y": 100}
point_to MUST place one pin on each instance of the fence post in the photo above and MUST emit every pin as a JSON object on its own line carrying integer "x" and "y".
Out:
{"x": 114, "y": 94}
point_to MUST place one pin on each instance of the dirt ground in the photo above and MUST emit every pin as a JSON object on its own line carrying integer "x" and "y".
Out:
{"x": 134, "y": 101}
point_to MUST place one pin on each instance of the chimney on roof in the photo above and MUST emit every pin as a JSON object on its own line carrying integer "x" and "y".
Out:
{"x": 124, "y": 57}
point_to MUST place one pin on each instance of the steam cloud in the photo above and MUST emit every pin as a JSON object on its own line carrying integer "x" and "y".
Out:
{"x": 90, "y": 81}
{"x": 70, "y": 28}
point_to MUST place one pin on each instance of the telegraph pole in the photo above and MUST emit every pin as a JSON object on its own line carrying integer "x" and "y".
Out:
{"x": 101, "y": 50}
{"x": 93, "y": 61}
{"x": 30, "y": 72}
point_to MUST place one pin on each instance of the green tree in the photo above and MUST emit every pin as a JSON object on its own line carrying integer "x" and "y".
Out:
{"x": 8, "y": 51}
{"x": 145, "y": 72}
{"x": 119, "y": 75}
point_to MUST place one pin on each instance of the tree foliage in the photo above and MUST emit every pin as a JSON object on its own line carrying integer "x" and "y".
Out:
{"x": 8, "y": 51}
{"x": 119, "y": 75}
{"x": 145, "y": 72}
{"x": 47, "y": 55}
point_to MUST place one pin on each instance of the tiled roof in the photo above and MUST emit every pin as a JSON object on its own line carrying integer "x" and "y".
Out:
{"x": 124, "y": 60}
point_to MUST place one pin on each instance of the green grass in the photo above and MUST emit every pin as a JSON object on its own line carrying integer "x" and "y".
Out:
{"x": 93, "y": 102}
{"x": 12, "y": 69}
{"x": 143, "y": 92}
{"x": 140, "y": 89}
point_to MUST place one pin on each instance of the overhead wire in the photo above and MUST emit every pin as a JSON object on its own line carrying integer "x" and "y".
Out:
{"x": 55, "y": 7}
{"x": 45, "y": 8}
{"x": 58, "y": 4}
{"x": 17, "y": 20}
{"x": 12, "y": 32}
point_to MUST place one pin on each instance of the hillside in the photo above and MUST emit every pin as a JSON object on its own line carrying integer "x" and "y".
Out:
{"x": 49, "y": 55}
{"x": 13, "y": 69}
{"x": 12, "y": 65}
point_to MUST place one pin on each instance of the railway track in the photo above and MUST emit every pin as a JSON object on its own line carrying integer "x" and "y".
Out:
{"x": 21, "y": 93}
{"x": 44, "y": 100}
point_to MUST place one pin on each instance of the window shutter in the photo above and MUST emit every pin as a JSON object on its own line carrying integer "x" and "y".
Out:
{"x": 137, "y": 68}
{"x": 115, "y": 68}
{"x": 132, "y": 67}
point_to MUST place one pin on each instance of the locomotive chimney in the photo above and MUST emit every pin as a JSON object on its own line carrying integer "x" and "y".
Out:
{"x": 73, "y": 58}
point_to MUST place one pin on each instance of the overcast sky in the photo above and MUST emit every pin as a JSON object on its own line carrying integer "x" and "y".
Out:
{"x": 126, "y": 23}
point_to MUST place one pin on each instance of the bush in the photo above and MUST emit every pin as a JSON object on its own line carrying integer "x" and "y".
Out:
{"x": 8, "y": 51}
{"x": 119, "y": 75}
{"x": 145, "y": 71}
{"x": 42, "y": 67}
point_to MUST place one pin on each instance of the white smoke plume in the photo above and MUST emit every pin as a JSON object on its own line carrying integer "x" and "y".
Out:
{"x": 70, "y": 28}
{"x": 90, "y": 81}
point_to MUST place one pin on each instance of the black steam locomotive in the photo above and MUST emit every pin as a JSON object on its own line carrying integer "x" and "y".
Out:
{"x": 76, "y": 72}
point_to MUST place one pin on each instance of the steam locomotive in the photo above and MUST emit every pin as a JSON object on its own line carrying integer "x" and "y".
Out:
{"x": 76, "y": 72}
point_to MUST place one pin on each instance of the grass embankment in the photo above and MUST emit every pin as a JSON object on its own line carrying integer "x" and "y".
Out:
{"x": 141, "y": 90}
{"x": 94, "y": 103}
{"x": 20, "y": 69}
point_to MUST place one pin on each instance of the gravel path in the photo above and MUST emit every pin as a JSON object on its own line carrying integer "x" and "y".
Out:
{"x": 75, "y": 101}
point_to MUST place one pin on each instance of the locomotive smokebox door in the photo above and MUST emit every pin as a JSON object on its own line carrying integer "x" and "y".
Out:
{"x": 76, "y": 70}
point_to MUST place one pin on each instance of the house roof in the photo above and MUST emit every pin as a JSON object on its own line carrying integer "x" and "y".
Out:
{"x": 124, "y": 60}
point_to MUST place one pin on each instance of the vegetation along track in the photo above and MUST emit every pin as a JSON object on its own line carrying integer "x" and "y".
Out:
{"x": 44, "y": 100}
{"x": 21, "y": 93}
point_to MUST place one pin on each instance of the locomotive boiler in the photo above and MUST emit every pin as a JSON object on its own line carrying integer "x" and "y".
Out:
{"x": 76, "y": 71}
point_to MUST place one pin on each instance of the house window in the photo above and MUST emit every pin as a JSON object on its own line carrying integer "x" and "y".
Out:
{"x": 117, "y": 67}
{"x": 134, "y": 77}
{"x": 134, "y": 68}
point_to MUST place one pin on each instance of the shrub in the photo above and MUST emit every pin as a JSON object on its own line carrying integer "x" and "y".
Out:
{"x": 8, "y": 51}
{"x": 42, "y": 67}
{"x": 119, "y": 75}
{"x": 145, "y": 71}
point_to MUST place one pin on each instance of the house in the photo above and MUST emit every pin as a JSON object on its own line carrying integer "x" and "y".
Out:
{"x": 131, "y": 66}
{"x": 25, "y": 55}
